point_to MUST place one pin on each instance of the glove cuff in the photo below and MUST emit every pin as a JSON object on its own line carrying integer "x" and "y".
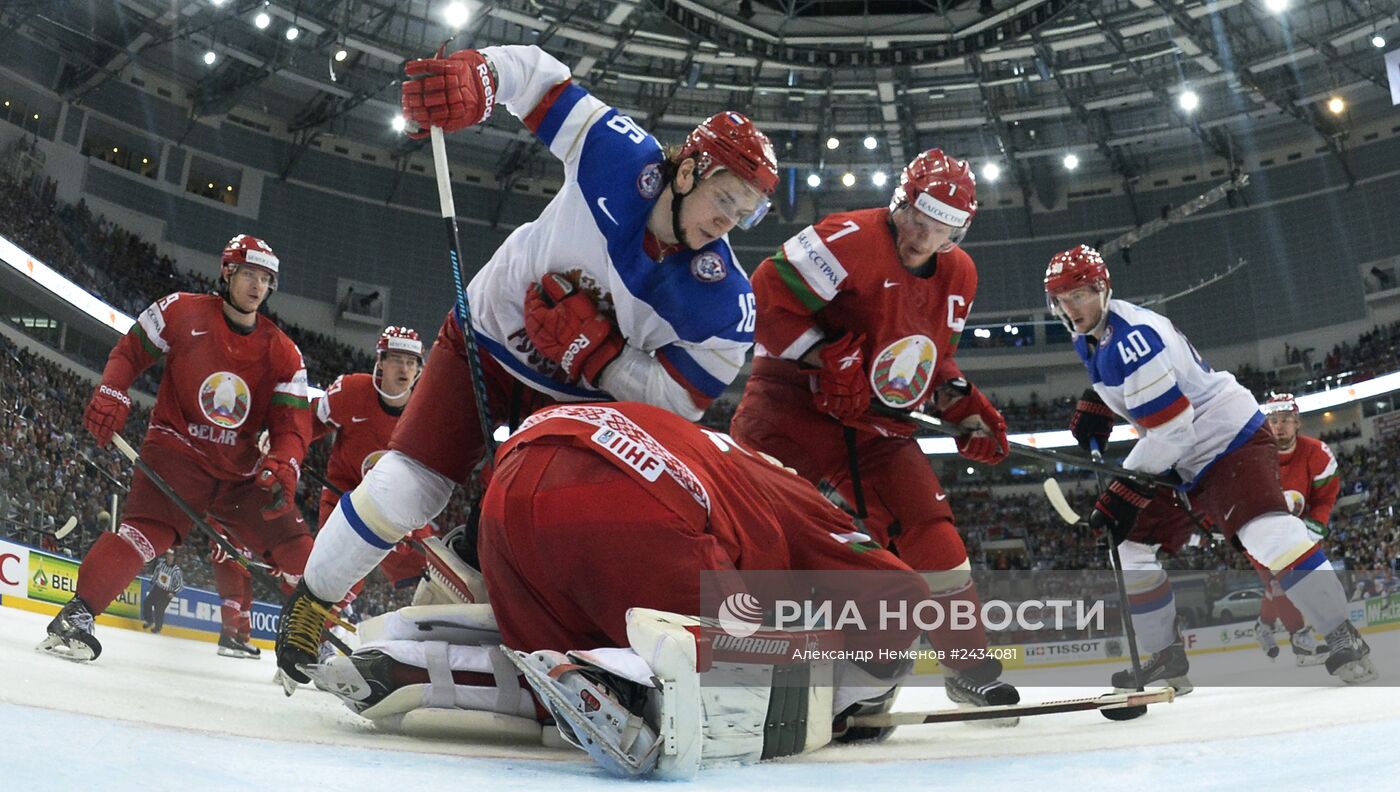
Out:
{"x": 1136, "y": 495}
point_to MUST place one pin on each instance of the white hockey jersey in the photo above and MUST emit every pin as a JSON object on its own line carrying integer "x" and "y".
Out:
{"x": 688, "y": 320}
{"x": 1187, "y": 414}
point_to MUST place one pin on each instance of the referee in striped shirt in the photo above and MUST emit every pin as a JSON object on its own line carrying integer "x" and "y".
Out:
{"x": 166, "y": 582}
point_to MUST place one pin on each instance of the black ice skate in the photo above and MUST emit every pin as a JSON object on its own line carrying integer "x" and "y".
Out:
{"x": 71, "y": 634}
{"x": 877, "y": 706}
{"x": 361, "y": 680}
{"x": 1167, "y": 667}
{"x": 1349, "y": 657}
{"x": 981, "y": 686}
{"x": 1264, "y": 634}
{"x": 1307, "y": 650}
{"x": 230, "y": 646}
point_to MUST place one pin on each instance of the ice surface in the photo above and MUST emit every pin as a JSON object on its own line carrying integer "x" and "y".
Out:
{"x": 157, "y": 713}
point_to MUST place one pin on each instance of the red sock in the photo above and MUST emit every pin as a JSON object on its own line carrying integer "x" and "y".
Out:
{"x": 107, "y": 569}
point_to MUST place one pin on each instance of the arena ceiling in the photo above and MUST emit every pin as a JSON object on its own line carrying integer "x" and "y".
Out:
{"x": 1021, "y": 84}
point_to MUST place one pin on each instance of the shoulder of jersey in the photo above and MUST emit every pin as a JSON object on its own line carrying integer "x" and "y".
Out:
{"x": 863, "y": 229}
{"x": 704, "y": 294}
{"x": 619, "y": 173}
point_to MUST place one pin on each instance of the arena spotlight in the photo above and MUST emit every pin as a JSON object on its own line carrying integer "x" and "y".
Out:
{"x": 1188, "y": 100}
{"x": 341, "y": 54}
{"x": 262, "y": 20}
{"x": 209, "y": 57}
{"x": 814, "y": 180}
{"x": 991, "y": 172}
{"x": 217, "y": 3}
{"x": 398, "y": 123}
{"x": 1071, "y": 161}
{"x": 293, "y": 32}
{"x": 455, "y": 15}
{"x": 871, "y": 142}
{"x": 878, "y": 178}
{"x": 833, "y": 142}
{"x": 1378, "y": 41}
{"x": 848, "y": 179}
{"x": 1276, "y": 6}
{"x": 1336, "y": 104}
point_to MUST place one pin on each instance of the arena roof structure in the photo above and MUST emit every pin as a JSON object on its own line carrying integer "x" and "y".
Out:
{"x": 1113, "y": 87}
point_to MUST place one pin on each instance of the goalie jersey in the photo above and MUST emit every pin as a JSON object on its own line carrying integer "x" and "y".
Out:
{"x": 1186, "y": 414}
{"x": 693, "y": 311}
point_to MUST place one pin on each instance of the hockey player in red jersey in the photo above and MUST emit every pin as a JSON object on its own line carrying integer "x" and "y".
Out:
{"x": 234, "y": 584}
{"x": 869, "y": 305}
{"x": 1308, "y": 472}
{"x": 624, "y": 288}
{"x": 600, "y": 521}
{"x": 362, "y": 410}
{"x": 229, "y": 373}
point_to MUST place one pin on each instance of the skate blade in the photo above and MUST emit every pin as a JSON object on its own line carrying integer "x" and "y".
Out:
{"x": 75, "y": 651}
{"x": 1308, "y": 661}
{"x": 1358, "y": 672}
{"x": 289, "y": 685}
{"x": 587, "y": 735}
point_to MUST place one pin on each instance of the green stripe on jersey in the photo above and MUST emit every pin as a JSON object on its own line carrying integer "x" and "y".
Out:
{"x": 295, "y": 402}
{"x": 796, "y": 284}
{"x": 151, "y": 349}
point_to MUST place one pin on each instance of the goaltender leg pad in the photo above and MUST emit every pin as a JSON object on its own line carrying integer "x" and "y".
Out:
{"x": 465, "y": 624}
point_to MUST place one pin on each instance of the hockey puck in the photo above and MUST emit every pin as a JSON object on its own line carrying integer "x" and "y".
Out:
{"x": 1124, "y": 713}
{"x": 66, "y": 529}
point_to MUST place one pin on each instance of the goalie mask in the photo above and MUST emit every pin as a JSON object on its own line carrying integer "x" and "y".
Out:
{"x": 396, "y": 339}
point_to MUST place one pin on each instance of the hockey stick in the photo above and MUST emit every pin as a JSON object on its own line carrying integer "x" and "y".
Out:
{"x": 218, "y": 538}
{"x": 1043, "y": 454}
{"x": 1124, "y": 611}
{"x": 1108, "y": 702}
{"x": 66, "y": 529}
{"x": 462, "y": 310}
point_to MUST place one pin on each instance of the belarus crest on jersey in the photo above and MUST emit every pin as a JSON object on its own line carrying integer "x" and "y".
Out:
{"x": 649, "y": 181}
{"x": 370, "y": 460}
{"x": 707, "y": 267}
{"x": 1295, "y": 501}
{"x": 224, "y": 399}
{"x": 902, "y": 372}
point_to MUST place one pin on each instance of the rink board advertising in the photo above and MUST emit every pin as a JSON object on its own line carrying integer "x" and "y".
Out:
{"x": 31, "y": 574}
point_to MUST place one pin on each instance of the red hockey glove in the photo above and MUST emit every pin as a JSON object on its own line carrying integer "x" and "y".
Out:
{"x": 1117, "y": 509}
{"x": 1092, "y": 422}
{"x": 565, "y": 326}
{"x": 843, "y": 389}
{"x": 987, "y": 442}
{"x": 279, "y": 476}
{"x": 106, "y": 413}
{"x": 453, "y": 92}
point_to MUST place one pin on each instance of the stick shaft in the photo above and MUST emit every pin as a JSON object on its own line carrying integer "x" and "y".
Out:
{"x": 462, "y": 309}
{"x": 1106, "y": 701}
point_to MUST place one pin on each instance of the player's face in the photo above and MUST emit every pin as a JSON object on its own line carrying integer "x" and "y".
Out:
{"x": 1285, "y": 427}
{"x": 248, "y": 287}
{"x": 918, "y": 236}
{"x": 716, "y": 206}
{"x": 399, "y": 371}
{"x": 1083, "y": 306}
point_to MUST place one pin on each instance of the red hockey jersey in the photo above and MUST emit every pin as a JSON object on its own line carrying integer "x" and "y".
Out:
{"x": 843, "y": 274}
{"x": 752, "y": 507}
{"x": 363, "y": 427}
{"x": 1310, "y": 480}
{"x": 220, "y": 387}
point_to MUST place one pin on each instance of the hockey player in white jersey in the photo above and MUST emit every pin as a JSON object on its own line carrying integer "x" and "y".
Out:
{"x": 625, "y": 287}
{"x": 1204, "y": 427}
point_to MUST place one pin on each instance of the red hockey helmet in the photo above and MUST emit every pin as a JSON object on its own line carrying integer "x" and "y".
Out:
{"x": 942, "y": 188}
{"x": 1070, "y": 269}
{"x": 245, "y": 250}
{"x": 399, "y": 339}
{"x": 731, "y": 141}
{"x": 1280, "y": 403}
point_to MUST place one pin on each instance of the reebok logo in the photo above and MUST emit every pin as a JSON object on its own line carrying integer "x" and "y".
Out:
{"x": 488, "y": 91}
{"x": 567, "y": 361}
{"x": 847, "y": 361}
